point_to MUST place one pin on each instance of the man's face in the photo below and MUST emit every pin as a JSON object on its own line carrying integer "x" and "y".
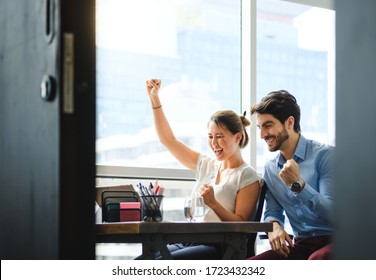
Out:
{"x": 272, "y": 131}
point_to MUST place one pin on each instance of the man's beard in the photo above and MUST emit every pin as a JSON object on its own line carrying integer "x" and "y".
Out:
{"x": 280, "y": 139}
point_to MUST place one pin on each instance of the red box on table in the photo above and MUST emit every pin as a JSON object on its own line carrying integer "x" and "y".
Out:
{"x": 130, "y": 211}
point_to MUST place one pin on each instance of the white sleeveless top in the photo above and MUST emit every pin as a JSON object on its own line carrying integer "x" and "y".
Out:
{"x": 225, "y": 193}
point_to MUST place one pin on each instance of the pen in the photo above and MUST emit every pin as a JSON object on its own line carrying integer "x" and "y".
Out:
{"x": 150, "y": 189}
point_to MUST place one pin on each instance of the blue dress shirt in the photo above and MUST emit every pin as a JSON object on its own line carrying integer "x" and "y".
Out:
{"x": 311, "y": 211}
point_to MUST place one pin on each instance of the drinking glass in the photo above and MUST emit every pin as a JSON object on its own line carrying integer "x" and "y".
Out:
{"x": 188, "y": 209}
{"x": 194, "y": 207}
{"x": 199, "y": 207}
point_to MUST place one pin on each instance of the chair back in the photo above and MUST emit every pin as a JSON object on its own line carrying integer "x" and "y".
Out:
{"x": 256, "y": 216}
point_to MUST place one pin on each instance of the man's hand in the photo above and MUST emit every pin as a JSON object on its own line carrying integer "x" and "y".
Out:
{"x": 278, "y": 240}
{"x": 290, "y": 172}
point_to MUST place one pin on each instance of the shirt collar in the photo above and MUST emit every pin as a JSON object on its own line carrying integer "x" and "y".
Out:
{"x": 299, "y": 154}
{"x": 301, "y": 148}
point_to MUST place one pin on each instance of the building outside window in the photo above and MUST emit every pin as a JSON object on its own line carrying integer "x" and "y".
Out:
{"x": 295, "y": 49}
{"x": 193, "y": 46}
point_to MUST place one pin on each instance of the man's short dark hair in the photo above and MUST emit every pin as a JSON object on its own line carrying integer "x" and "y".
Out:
{"x": 281, "y": 104}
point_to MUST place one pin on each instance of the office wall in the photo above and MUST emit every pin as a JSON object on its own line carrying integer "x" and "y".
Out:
{"x": 356, "y": 130}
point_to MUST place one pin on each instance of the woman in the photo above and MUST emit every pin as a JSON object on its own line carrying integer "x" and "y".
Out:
{"x": 229, "y": 186}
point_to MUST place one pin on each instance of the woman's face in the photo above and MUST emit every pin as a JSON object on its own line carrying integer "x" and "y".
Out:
{"x": 222, "y": 141}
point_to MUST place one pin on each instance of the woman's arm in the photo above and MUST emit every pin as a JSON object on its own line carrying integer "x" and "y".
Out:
{"x": 245, "y": 202}
{"x": 180, "y": 151}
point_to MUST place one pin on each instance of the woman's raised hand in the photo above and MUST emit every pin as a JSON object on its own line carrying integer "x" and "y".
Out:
{"x": 153, "y": 86}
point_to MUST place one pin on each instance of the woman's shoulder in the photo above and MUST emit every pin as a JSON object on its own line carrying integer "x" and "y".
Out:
{"x": 204, "y": 159}
{"x": 245, "y": 167}
{"x": 247, "y": 171}
{"x": 206, "y": 167}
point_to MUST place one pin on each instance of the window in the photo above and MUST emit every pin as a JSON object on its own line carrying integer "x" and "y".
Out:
{"x": 202, "y": 51}
{"x": 296, "y": 52}
{"x": 193, "y": 46}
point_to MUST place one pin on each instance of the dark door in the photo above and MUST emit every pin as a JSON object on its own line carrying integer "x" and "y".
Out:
{"x": 47, "y": 129}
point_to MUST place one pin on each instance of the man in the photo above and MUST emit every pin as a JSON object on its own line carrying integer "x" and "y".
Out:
{"x": 300, "y": 182}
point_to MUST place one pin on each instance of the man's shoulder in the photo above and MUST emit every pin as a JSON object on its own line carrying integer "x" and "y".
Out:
{"x": 321, "y": 152}
{"x": 270, "y": 163}
{"x": 319, "y": 146}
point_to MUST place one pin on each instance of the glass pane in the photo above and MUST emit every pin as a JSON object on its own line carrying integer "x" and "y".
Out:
{"x": 296, "y": 52}
{"x": 193, "y": 46}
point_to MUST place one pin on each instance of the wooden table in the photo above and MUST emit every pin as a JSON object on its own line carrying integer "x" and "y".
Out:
{"x": 155, "y": 236}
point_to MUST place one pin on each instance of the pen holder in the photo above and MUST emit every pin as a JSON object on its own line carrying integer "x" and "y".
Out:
{"x": 152, "y": 208}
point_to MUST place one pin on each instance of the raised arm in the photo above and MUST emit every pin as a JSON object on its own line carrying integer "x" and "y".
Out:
{"x": 180, "y": 151}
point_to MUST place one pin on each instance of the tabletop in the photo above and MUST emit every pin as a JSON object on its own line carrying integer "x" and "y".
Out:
{"x": 155, "y": 236}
